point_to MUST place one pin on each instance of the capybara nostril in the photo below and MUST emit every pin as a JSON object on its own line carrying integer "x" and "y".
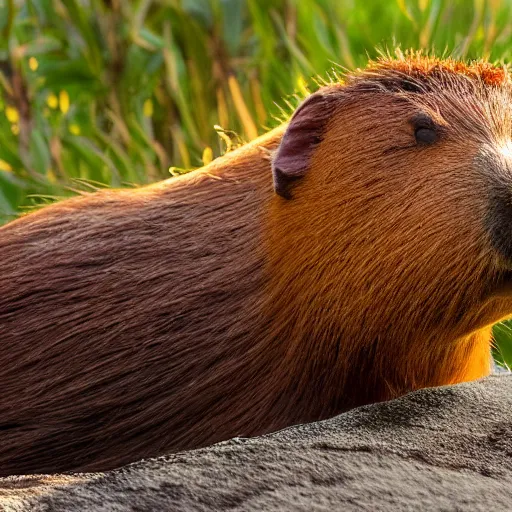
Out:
{"x": 344, "y": 258}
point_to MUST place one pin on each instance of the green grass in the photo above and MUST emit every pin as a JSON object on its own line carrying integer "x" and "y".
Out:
{"x": 118, "y": 93}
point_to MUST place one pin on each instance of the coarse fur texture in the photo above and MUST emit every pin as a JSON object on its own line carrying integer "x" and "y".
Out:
{"x": 368, "y": 259}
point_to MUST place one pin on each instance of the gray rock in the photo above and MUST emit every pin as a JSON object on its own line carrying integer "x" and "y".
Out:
{"x": 447, "y": 448}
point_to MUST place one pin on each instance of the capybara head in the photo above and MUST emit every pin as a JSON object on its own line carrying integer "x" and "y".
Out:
{"x": 394, "y": 227}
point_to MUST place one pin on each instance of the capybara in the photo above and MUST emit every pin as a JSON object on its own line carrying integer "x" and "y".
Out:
{"x": 361, "y": 251}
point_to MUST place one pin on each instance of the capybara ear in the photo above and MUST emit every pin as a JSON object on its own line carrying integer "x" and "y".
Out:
{"x": 303, "y": 134}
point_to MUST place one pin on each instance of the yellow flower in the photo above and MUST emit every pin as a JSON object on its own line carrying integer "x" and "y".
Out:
{"x": 207, "y": 155}
{"x": 74, "y": 129}
{"x": 4, "y": 166}
{"x": 64, "y": 102}
{"x": 33, "y": 64}
{"x": 147, "y": 109}
{"x": 302, "y": 86}
{"x": 52, "y": 101}
{"x": 12, "y": 114}
{"x": 15, "y": 129}
{"x": 51, "y": 176}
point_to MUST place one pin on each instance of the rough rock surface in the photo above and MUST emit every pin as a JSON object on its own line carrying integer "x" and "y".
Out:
{"x": 447, "y": 448}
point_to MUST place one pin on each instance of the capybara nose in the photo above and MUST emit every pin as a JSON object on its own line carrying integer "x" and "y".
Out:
{"x": 499, "y": 215}
{"x": 499, "y": 222}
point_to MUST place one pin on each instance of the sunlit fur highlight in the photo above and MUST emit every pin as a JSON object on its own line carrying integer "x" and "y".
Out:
{"x": 136, "y": 323}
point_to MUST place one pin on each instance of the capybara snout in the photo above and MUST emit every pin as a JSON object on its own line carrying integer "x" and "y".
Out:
{"x": 354, "y": 254}
{"x": 495, "y": 162}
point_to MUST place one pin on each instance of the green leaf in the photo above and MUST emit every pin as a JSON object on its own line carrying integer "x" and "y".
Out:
{"x": 502, "y": 333}
{"x": 40, "y": 153}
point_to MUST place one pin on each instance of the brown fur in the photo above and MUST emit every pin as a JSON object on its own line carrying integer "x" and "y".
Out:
{"x": 135, "y": 323}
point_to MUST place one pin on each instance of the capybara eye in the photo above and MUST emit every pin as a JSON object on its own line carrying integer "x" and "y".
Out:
{"x": 425, "y": 129}
{"x": 425, "y": 135}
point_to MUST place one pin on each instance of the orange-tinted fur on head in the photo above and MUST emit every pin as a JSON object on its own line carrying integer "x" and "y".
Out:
{"x": 135, "y": 323}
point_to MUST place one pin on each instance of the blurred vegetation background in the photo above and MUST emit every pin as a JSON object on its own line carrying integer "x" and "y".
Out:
{"x": 125, "y": 92}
